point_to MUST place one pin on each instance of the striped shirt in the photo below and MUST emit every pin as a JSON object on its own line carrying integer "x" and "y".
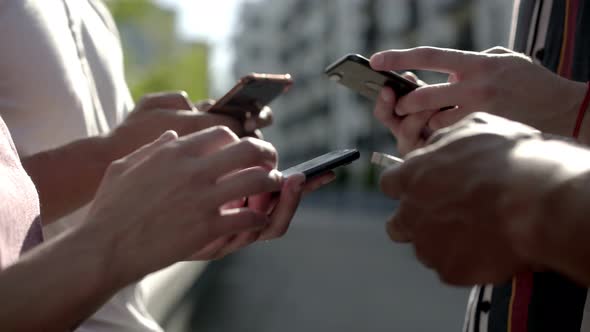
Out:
{"x": 555, "y": 34}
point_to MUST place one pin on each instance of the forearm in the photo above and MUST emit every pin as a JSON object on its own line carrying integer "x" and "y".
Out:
{"x": 67, "y": 177}
{"x": 49, "y": 289}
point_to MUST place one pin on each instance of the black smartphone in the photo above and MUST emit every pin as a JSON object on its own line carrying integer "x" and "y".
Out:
{"x": 354, "y": 71}
{"x": 251, "y": 94}
{"x": 324, "y": 163}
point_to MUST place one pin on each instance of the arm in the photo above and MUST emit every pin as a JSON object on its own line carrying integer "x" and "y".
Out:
{"x": 171, "y": 191}
{"x": 67, "y": 177}
{"x": 490, "y": 198}
{"x": 49, "y": 289}
{"x": 559, "y": 240}
{"x": 497, "y": 81}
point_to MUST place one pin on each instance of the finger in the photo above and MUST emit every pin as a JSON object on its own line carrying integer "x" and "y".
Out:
{"x": 205, "y": 105}
{"x": 145, "y": 151}
{"x": 178, "y": 100}
{"x": 247, "y": 153}
{"x": 257, "y": 134}
{"x": 391, "y": 181}
{"x": 265, "y": 118}
{"x": 438, "y": 96}
{"x": 411, "y": 129}
{"x": 212, "y": 249}
{"x": 264, "y": 202}
{"x": 442, "y": 60}
{"x": 318, "y": 182}
{"x": 448, "y": 118}
{"x": 239, "y": 203}
{"x": 232, "y": 222}
{"x": 207, "y": 141}
{"x": 453, "y": 78}
{"x": 497, "y": 50}
{"x": 250, "y": 124}
{"x": 285, "y": 209}
{"x": 385, "y": 109}
{"x": 434, "y": 243}
{"x": 396, "y": 232}
{"x": 246, "y": 183}
{"x": 413, "y": 78}
{"x": 238, "y": 242}
{"x": 202, "y": 120}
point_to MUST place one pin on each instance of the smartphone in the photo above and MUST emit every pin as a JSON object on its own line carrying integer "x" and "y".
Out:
{"x": 252, "y": 92}
{"x": 354, "y": 71}
{"x": 324, "y": 163}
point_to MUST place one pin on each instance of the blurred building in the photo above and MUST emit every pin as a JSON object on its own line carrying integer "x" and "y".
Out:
{"x": 302, "y": 37}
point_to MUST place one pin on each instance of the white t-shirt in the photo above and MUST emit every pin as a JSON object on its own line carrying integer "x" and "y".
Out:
{"x": 62, "y": 79}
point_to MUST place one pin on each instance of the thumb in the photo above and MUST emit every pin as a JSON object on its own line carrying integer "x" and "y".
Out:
{"x": 178, "y": 100}
{"x": 413, "y": 78}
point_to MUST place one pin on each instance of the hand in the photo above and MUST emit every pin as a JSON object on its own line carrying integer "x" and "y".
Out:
{"x": 496, "y": 81}
{"x": 264, "y": 118}
{"x": 280, "y": 212}
{"x": 252, "y": 125}
{"x": 410, "y": 131}
{"x": 480, "y": 203}
{"x": 156, "y": 113}
{"x": 169, "y": 199}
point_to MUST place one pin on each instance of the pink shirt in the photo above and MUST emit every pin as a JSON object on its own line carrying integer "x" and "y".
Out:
{"x": 20, "y": 226}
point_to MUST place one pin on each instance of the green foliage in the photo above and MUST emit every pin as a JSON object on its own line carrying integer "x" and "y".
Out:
{"x": 125, "y": 10}
{"x": 187, "y": 71}
{"x": 155, "y": 58}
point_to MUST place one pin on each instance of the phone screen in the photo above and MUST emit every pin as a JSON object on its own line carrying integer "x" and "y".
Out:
{"x": 324, "y": 163}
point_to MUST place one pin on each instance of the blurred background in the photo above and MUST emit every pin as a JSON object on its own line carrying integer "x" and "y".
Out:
{"x": 335, "y": 270}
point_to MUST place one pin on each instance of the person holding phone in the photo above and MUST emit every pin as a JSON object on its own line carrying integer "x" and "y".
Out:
{"x": 64, "y": 97}
{"x": 190, "y": 191}
{"x": 513, "y": 84}
{"x": 501, "y": 209}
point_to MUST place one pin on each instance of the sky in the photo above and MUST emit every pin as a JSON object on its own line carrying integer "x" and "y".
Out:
{"x": 212, "y": 21}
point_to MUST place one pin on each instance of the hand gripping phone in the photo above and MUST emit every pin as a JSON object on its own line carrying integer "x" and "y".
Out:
{"x": 354, "y": 71}
{"x": 322, "y": 164}
{"x": 252, "y": 92}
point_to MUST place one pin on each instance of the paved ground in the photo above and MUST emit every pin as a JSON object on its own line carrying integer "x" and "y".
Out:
{"x": 335, "y": 271}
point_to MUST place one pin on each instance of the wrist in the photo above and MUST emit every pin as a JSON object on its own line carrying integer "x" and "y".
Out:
{"x": 543, "y": 208}
{"x": 99, "y": 247}
{"x": 560, "y": 223}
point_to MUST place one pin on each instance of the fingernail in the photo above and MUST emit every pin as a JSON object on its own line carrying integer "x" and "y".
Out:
{"x": 377, "y": 60}
{"x": 169, "y": 135}
{"x": 276, "y": 174}
{"x": 250, "y": 125}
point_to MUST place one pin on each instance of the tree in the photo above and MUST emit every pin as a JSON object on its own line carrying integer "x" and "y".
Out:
{"x": 155, "y": 58}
